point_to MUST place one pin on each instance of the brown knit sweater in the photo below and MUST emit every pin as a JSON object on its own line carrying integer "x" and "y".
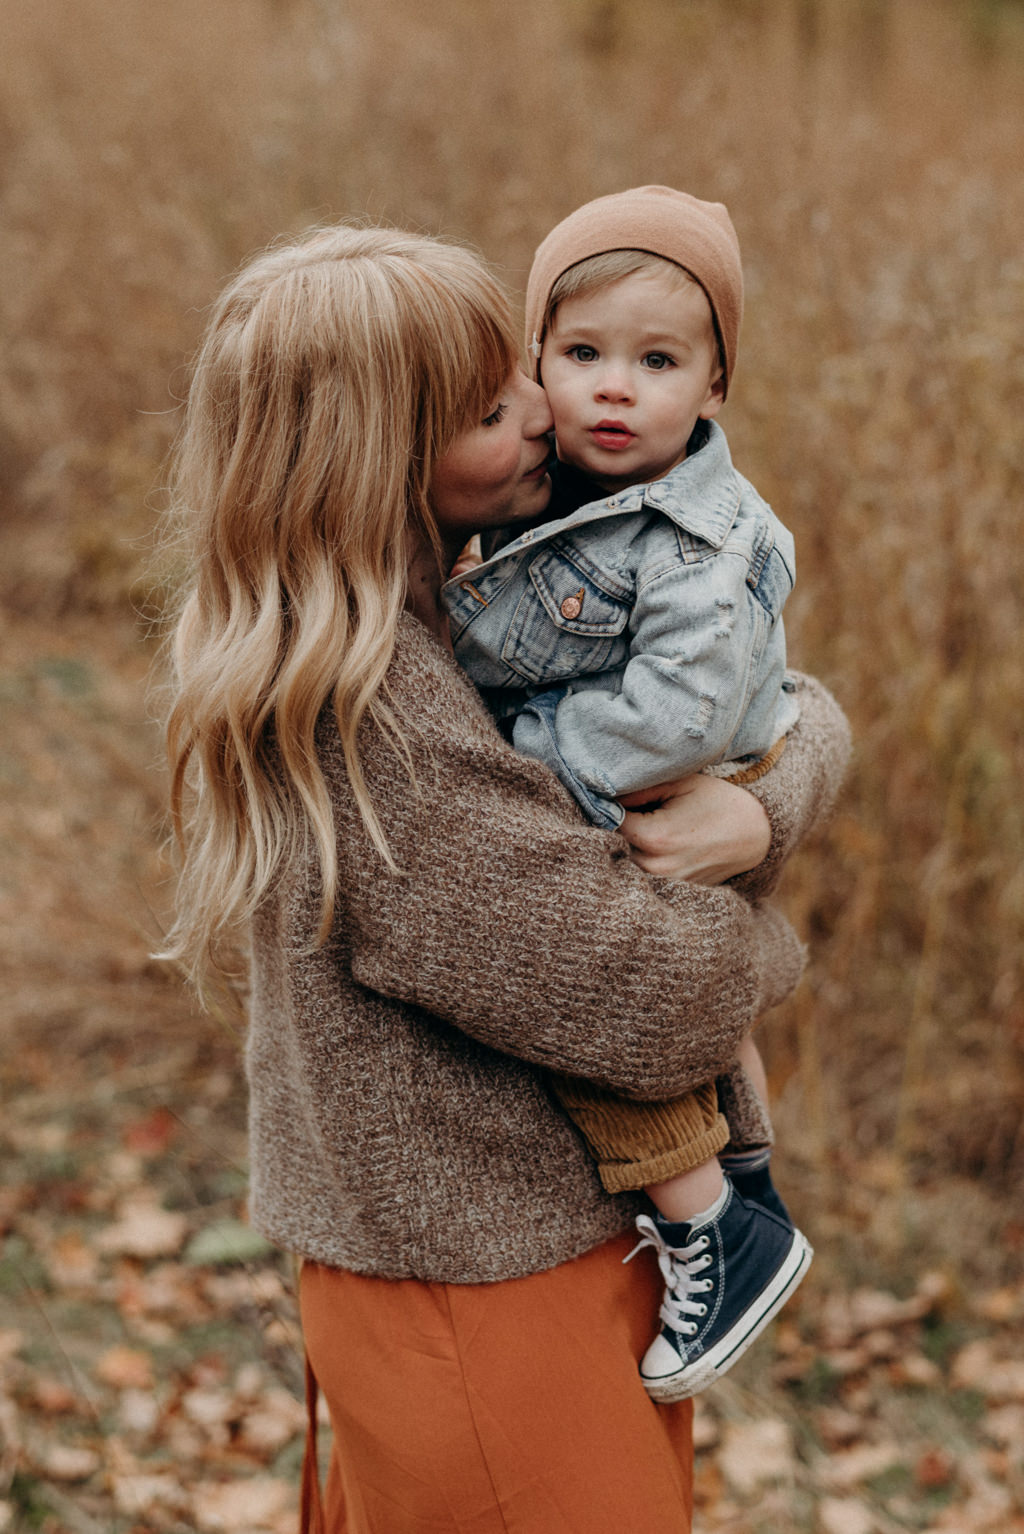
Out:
{"x": 400, "y": 1120}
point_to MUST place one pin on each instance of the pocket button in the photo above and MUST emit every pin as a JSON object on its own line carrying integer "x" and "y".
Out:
{"x": 572, "y": 606}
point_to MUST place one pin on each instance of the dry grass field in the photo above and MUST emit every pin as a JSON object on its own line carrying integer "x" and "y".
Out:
{"x": 870, "y": 155}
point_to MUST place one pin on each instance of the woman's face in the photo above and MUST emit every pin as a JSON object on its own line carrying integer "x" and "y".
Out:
{"x": 496, "y": 472}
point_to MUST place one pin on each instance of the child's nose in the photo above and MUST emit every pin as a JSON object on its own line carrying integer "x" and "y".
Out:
{"x": 613, "y": 384}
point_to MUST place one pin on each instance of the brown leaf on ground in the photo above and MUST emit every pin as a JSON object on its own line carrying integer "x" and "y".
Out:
{"x": 143, "y": 1229}
{"x": 124, "y": 1368}
{"x": 852, "y": 1466}
{"x": 845, "y": 1515}
{"x": 978, "y": 1367}
{"x": 757, "y": 1452}
{"x": 241, "y": 1507}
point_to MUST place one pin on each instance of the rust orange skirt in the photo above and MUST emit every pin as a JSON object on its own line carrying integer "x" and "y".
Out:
{"x": 509, "y": 1408}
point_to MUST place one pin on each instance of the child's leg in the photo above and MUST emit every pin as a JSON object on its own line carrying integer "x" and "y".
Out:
{"x": 728, "y": 1264}
{"x": 635, "y": 1144}
{"x": 749, "y": 1166}
{"x": 693, "y": 1192}
{"x": 688, "y": 1194}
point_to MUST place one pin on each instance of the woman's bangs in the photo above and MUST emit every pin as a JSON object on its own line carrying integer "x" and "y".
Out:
{"x": 492, "y": 345}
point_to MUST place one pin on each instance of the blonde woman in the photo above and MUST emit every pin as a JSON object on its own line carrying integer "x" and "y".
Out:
{"x": 432, "y": 926}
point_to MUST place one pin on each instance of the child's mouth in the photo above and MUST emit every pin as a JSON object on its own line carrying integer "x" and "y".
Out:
{"x": 611, "y": 434}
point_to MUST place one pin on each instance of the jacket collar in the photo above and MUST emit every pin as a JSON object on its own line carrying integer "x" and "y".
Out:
{"x": 701, "y": 496}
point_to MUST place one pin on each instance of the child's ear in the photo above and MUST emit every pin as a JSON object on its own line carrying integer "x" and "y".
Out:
{"x": 715, "y": 397}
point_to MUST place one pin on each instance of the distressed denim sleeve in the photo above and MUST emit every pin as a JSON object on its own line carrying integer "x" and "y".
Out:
{"x": 702, "y": 684}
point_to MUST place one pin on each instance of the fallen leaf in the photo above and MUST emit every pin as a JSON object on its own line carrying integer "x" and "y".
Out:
{"x": 845, "y": 1515}
{"x": 138, "y": 1411}
{"x": 71, "y": 1262}
{"x": 838, "y": 1427}
{"x": 847, "y": 1361}
{"x": 168, "y": 1289}
{"x": 276, "y": 1421}
{"x": 124, "y": 1368}
{"x": 1001, "y": 1305}
{"x": 150, "y": 1136}
{"x": 11, "y": 1342}
{"x": 144, "y": 1230}
{"x": 881, "y": 1343}
{"x": 207, "y": 1408}
{"x": 976, "y": 1367}
{"x": 52, "y": 1396}
{"x": 916, "y": 1370}
{"x": 851, "y": 1466}
{"x": 1005, "y": 1424}
{"x": 137, "y": 1495}
{"x": 238, "y": 1506}
{"x": 934, "y": 1469}
{"x": 871, "y": 1309}
{"x": 756, "y": 1452}
{"x": 250, "y": 1381}
{"x": 38, "y": 1139}
{"x": 705, "y": 1427}
{"x": 65, "y": 1462}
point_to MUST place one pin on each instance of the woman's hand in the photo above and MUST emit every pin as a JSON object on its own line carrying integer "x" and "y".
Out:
{"x": 700, "y": 828}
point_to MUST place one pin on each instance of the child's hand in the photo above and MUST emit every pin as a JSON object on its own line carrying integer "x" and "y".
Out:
{"x": 471, "y": 556}
{"x": 697, "y": 828}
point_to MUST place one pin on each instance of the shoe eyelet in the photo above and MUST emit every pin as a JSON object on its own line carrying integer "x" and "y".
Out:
{"x": 689, "y": 1329}
{"x": 707, "y": 1284}
{"x": 702, "y": 1310}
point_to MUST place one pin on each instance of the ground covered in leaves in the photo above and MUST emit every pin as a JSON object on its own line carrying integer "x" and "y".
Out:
{"x": 150, "y": 1359}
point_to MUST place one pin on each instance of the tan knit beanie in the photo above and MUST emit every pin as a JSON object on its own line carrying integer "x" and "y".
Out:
{"x": 696, "y": 235}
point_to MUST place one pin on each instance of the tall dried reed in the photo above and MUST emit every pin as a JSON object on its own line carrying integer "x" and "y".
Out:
{"x": 871, "y": 158}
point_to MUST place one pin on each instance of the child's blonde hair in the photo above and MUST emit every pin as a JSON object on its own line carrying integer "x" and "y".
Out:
{"x": 334, "y": 372}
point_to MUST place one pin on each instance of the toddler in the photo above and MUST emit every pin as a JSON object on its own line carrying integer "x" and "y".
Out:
{"x": 633, "y": 638}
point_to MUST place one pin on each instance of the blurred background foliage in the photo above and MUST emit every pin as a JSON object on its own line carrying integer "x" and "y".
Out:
{"x": 871, "y": 157}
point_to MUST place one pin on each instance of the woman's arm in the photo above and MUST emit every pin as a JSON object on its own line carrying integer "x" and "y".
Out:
{"x": 802, "y": 787}
{"x": 708, "y": 830}
{"x": 514, "y": 921}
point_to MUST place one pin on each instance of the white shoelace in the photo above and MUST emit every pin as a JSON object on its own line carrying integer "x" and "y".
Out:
{"x": 679, "y": 1267}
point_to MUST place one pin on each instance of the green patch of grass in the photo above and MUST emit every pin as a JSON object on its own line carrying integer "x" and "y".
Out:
{"x": 895, "y": 1481}
{"x": 969, "y": 1405}
{"x": 818, "y": 1387}
{"x": 21, "y": 1270}
{"x": 72, "y": 678}
{"x": 942, "y": 1338}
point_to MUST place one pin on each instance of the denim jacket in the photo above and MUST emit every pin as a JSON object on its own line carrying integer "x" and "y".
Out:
{"x": 641, "y": 636}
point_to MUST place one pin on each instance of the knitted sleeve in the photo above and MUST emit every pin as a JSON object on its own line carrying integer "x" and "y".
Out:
{"x": 801, "y": 788}
{"x": 513, "y": 921}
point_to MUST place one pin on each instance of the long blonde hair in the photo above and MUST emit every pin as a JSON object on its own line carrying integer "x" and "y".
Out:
{"x": 333, "y": 373}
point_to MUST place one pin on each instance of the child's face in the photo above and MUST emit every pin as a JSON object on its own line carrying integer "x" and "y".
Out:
{"x": 629, "y": 369}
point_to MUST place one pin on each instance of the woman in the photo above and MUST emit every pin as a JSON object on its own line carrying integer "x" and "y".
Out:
{"x": 433, "y": 927}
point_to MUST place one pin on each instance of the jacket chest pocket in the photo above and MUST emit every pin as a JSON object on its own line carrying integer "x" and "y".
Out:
{"x": 570, "y": 621}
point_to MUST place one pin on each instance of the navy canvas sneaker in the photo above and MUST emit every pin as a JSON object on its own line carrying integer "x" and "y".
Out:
{"x": 725, "y": 1278}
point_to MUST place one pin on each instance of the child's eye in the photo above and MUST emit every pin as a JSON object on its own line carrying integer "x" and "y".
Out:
{"x": 582, "y": 353}
{"x": 658, "y": 361}
{"x": 495, "y": 417}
